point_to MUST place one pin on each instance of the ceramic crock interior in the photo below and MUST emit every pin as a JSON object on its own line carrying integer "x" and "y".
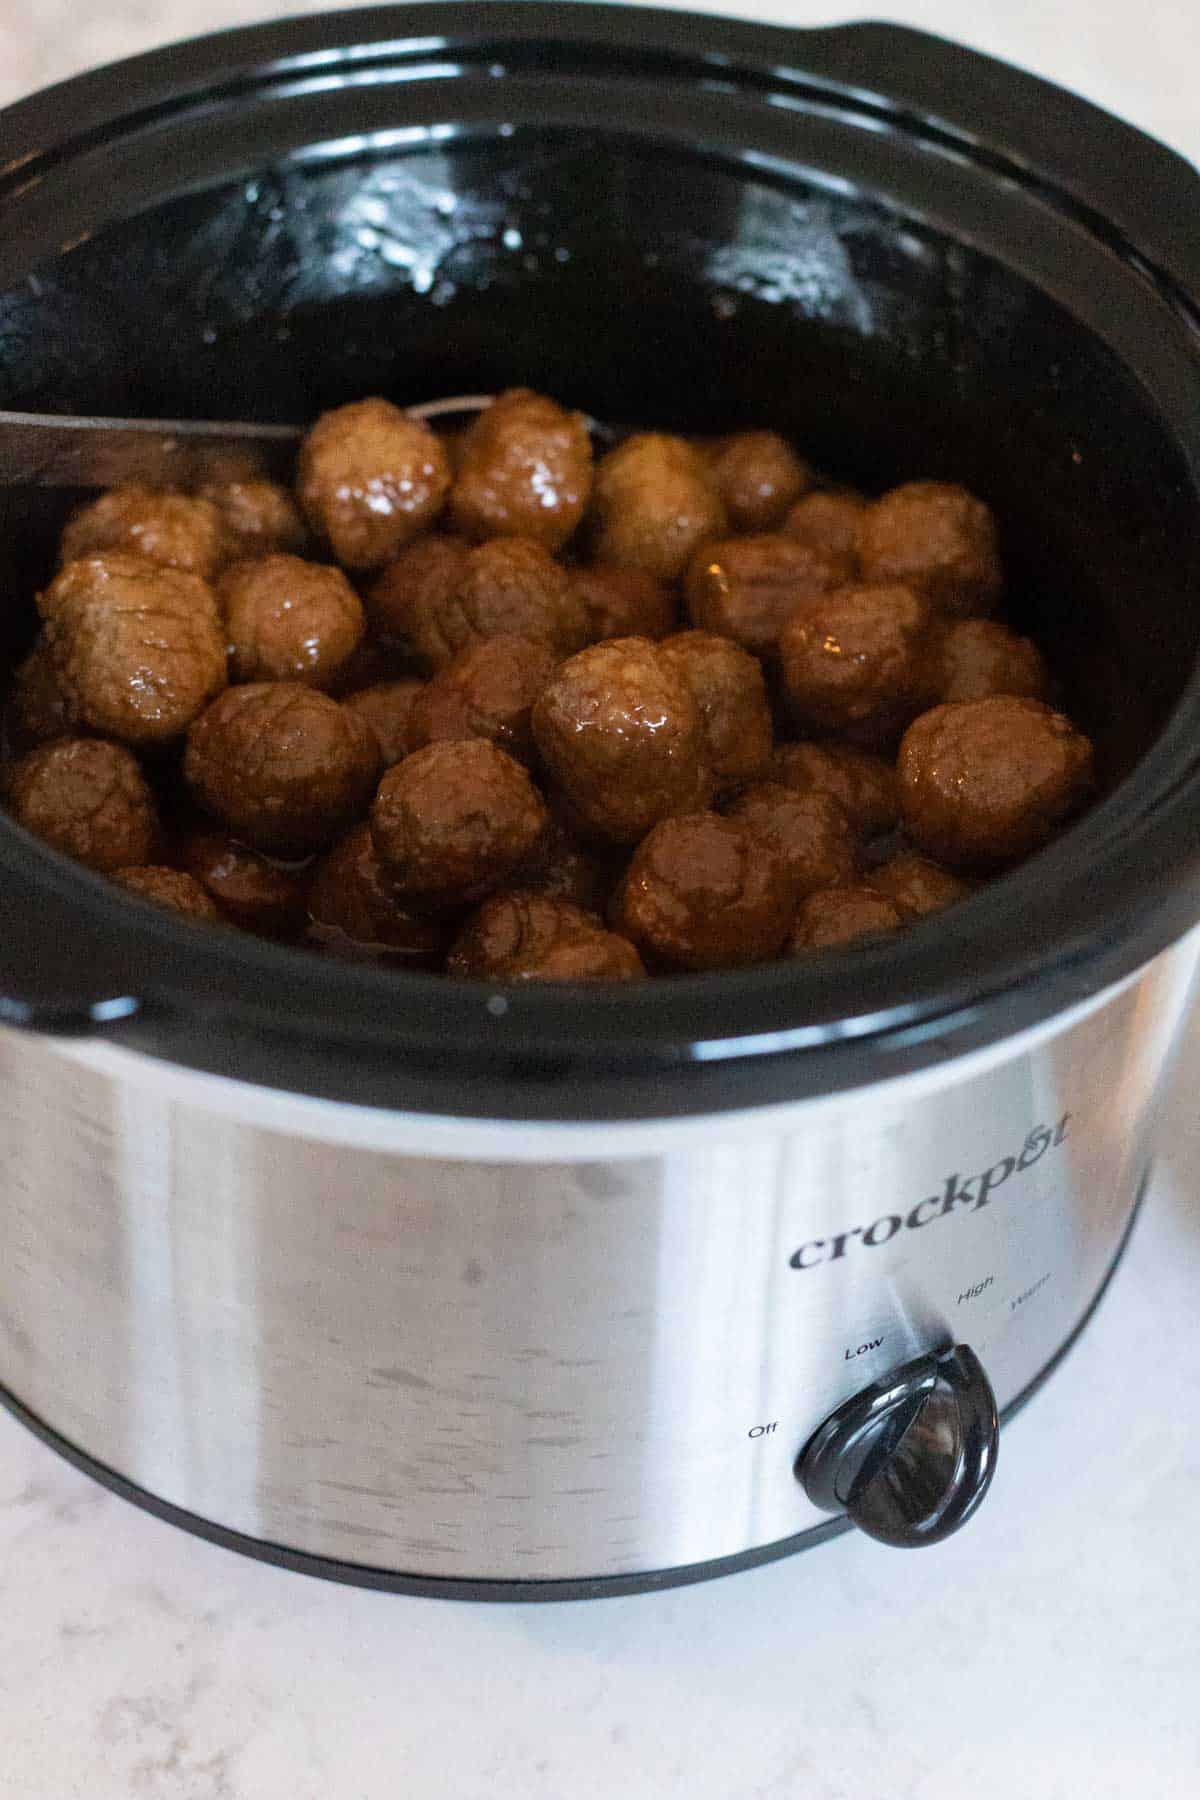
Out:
{"x": 644, "y": 283}
{"x": 911, "y": 260}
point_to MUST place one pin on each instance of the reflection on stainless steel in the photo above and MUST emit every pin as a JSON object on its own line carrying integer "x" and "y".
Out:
{"x": 543, "y": 1367}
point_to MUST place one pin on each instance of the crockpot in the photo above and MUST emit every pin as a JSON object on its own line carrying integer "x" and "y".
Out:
{"x": 475, "y": 1290}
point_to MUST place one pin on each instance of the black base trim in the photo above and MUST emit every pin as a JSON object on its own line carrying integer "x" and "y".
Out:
{"x": 439, "y": 1587}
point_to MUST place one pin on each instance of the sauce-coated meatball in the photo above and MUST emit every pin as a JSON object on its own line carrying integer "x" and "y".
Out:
{"x": 522, "y": 936}
{"x": 598, "y": 956}
{"x": 353, "y": 911}
{"x": 524, "y": 469}
{"x": 758, "y": 476}
{"x": 625, "y": 602}
{"x": 370, "y": 478}
{"x": 727, "y": 685}
{"x": 809, "y": 832}
{"x": 138, "y": 649}
{"x": 258, "y": 517}
{"x": 488, "y": 691}
{"x": 843, "y": 915}
{"x": 562, "y": 869}
{"x": 980, "y": 657}
{"x": 828, "y": 521}
{"x": 654, "y": 501}
{"x": 936, "y": 537}
{"x": 415, "y": 586}
{"x": 173, "y": 529}
{"x": 289, "y": 620}
{"x": 251, "y": 891}
{"x": 508, "y": 586}
{"x": 859, "y": 661}
{"x": 917, "y": 884}
{"x": 984, "y": 782}
{"x": 87, "y": 798}
{"x": 863, "y": 784}
{"x": 170, "y": 888}
{"x": 387, "y": 708}
{"x": 285, "y": 768}
{"x": 453, "y": 821}
{"x": 748, "y": 588}
{"x": 623, "y": 739}
{"x": 702, "y": 892}
{"x": 38, "y": 708}
{"x": 375, "y": 663}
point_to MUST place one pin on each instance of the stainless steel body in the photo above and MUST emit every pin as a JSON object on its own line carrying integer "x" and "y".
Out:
{"x": 495, "y": 1351}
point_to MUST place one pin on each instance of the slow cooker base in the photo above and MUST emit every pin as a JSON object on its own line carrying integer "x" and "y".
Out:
{"x": 441, "y": 1588}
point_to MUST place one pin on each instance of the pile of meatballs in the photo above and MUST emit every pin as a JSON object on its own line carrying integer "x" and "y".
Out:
{"x": 489, "y": 704}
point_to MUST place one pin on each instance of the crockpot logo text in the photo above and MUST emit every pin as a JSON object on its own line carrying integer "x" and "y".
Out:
{"x": 958, "y": 1193}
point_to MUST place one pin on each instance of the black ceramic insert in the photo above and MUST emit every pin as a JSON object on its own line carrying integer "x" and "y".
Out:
{"x": 914, "y": 260}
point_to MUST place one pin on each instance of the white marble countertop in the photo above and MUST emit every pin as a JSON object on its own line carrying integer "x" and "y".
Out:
{"x": 1052, "y": 1652}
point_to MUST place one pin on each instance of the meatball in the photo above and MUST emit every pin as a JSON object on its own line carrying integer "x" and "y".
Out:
{"x": 936, "y": 537}
{"x": 521, "y": 936}
{"x": 87, "y": 798}
{"x": 289, "y": 620}
{"x": 598, "y": 956}
{"x": 373, "y": 664}
{"x": 369, "y": 479}
{"x": 258, "y": 518}
{"x": 843, "y": 915}
{"x": 655, "y": 500}
{"x": 524, "y": 469}
{"x": 170, "y": 888}
{"x": 980, "y": 657}
{"x": 172, "y": 529}
{"x": 863, "y": 784}
{"x": 562, "y": 869}
{"x": 38, "y": 708}
{"x": 138, "y": 649}
{"x": 917, "y": 885}
{"x": 727, "y": 685}
{"x": 623, "y": 740}
{"x": 353, "y": 912}
{"x": 416, "y": 586}
{"x": 387, "y": 709}
{"x": 859, "y": 661}
{"x": 758, "y": 476}
{"x": 809, "y": 832}
{"x": 748, "y": 588}
{"x": 488, "y": 691}
{"x": 508, "y": 586}
{"x": 983, "y": 782}
{"x": 702, "y": 892}
{"x": 452, "y": 821}
{"x": 625, "y": 602}
{"x": 828, "y": 521}
{"x": 250, "y": 891}
{"x": 285, "y": 768}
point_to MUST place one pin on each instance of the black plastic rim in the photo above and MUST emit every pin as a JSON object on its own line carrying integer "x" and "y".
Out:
{"x": 1118, "y": 888}
{"x": 434, "y": 1587}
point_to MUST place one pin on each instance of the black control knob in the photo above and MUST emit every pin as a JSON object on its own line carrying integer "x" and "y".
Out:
{"x": 909, "y": 1458}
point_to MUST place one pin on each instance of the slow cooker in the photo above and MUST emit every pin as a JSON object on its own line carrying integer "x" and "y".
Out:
{"x": 463, "y": 1289}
